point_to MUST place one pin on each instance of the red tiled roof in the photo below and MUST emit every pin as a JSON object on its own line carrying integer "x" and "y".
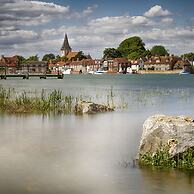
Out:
{"x": 71, "y": 55}
{"x": 9, "y": 61}
{"x": 121, "y": 60}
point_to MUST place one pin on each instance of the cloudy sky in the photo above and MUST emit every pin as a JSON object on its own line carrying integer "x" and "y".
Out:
{"x": 38, "y": 27}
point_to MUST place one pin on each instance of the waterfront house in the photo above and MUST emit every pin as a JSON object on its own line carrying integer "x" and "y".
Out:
{"x": 162, "y": 63}
{"x": 136, "y": 65}
{"x": 34, "y": 67}
{"x": 183, "y": 64}
{"x": 119, "y": 65}
{"x": 83, "y": 66}
{"x": 8, "y": 65}
{"x": 57, "y": 67}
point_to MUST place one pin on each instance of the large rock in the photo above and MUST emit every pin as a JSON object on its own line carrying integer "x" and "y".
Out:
{"x": 175, "y": 131}
{"x": 83, "y": 107}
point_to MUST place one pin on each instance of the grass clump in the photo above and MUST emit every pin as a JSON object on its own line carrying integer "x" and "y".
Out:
{"x": 53, "y": 102}
{"x": 163, "y": 160}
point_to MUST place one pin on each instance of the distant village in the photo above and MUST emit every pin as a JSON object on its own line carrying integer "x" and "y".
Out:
{"x": 76, "y": 62}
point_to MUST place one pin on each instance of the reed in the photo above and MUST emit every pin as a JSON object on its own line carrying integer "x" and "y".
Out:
{"x": 53, "y": 102}
{"x": 163, "y": 160}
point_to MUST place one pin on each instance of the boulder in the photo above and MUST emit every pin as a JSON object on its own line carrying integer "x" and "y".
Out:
{"x": 175, "y": 131}
{"x": 83, "y": 107}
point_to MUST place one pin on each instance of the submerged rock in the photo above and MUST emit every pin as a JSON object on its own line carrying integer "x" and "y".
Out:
{"x": 175, "y": 131}
{"x": 83, "y": 107}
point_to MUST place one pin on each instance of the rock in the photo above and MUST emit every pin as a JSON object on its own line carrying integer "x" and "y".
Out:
{"x": 83, "y": 107}
{"x": 175, "y": 131}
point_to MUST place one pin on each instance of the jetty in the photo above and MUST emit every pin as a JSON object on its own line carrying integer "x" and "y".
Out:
{"x": 28, "y": 76}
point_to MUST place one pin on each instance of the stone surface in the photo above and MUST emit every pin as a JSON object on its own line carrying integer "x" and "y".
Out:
{"x": 175, "y": 131}
{"x": 83, "y": 107}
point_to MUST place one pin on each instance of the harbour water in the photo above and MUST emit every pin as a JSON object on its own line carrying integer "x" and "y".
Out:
{"x": 92, "y": 154}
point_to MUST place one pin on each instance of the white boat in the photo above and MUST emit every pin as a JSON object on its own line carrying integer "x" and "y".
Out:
{"x": 67, "y": 72}
{"x": 100, "y": 72}
{"x": 91, "y": 72}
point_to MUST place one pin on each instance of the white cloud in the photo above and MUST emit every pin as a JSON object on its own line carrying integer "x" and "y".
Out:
{"x": 157, "y": 11}
{"x": 93, "y": 35}
{"x": 167, "y": 20}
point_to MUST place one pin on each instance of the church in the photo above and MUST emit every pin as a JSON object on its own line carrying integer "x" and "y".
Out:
{"x": 66, "y": 50}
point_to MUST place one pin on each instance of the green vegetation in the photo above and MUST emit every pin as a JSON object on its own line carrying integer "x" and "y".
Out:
{"x": 132, "y": 48}
{"x": 111, "y": 53}
{"x": 48, "y": 57}
{"x": 79, "y": 56}
{"x": 33, "y": 58}
{"x": 163, "y": 160}
{"x": 189, "y": 56}
{"x": 21, "y": 59}
{"x": 54, "y": 102}
{"x": 159, "y": 50}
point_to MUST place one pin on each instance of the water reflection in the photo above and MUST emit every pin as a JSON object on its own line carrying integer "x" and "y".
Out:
{"x": 75, "y": 155}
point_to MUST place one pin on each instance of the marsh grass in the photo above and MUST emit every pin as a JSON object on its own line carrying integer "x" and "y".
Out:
{"x": 163, "y": 160}
{"x": 53, "y": 102}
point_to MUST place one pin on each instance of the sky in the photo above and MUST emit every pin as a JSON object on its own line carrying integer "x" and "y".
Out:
{"x": 38, "y": 27}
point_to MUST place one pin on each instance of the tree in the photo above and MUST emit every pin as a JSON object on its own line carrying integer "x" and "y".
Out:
{"x": 111, "y": 53}
{"x": 48, "y": 57}
{"x": 63, "y": 58}
{"x": 21, "y": 59}
{"x": 189, "y": 56}
{"x": 58, "y": 58}
{"x": 159, "y": 50}
{"x": 80, "y": 56}
{"x": 131, "y": 45}
{"x": 33, "y": 58}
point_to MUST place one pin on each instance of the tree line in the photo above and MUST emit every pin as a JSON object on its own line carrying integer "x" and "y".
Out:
{"x": 49, "y": 57}
{"x": 133, "y": 48}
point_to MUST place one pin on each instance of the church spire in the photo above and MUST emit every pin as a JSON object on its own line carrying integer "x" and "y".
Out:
{"x": 65, "y": 47}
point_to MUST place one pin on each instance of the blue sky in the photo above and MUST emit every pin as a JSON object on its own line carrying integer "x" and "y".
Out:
{"x": 38, "y": 27}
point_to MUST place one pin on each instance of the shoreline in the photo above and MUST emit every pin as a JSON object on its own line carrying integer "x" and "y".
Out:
{"x": 159, "y": 72}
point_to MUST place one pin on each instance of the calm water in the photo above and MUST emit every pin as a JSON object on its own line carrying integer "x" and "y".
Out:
{"x": 88, "y": 154}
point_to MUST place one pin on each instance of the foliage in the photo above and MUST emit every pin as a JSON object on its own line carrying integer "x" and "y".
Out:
{"x": 63, "y": 58}
{"x": 159, "y": 50}
{"x": 111, "y": 53}
{"x": 58, "y": 58}
{"x": 48, "y": 57}
{"x": 33, "y": 58}
{"x": 189, "y": 56}
{"x": 162, "y": 159}
{"x": 80, "y": 56}
{"x": 54, "y": 102}
{"x": 132, "y": 47}
{"x": 21, "y": 59}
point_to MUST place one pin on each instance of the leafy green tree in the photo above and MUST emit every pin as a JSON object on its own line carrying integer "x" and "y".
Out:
{"x": 63, "y": 58}
{"x": 33, "y": 58}
{"x": 58, "y": 58}
{"x": 159, "y": 50}
{"x": 80, "y": 56}
{"x": 132, "y": 45}
{"x": 189, "y": 56}
{"x": 111, "y": 53}
{"x": 48, "y": 57}
{"x": 21, "y": 59}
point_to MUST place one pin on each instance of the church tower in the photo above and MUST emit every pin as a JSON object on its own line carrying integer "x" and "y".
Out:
{"x": 65, "y": 49}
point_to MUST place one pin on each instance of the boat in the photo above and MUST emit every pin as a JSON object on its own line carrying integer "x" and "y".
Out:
{"x": 67, "y": 72}
{"x": 91, "y": 72}
{"x": 184, "y": 73}
{"x": 100, "y": 72}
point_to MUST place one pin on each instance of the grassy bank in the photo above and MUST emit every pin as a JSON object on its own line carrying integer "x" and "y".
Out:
{"x": 163, "y": 160}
